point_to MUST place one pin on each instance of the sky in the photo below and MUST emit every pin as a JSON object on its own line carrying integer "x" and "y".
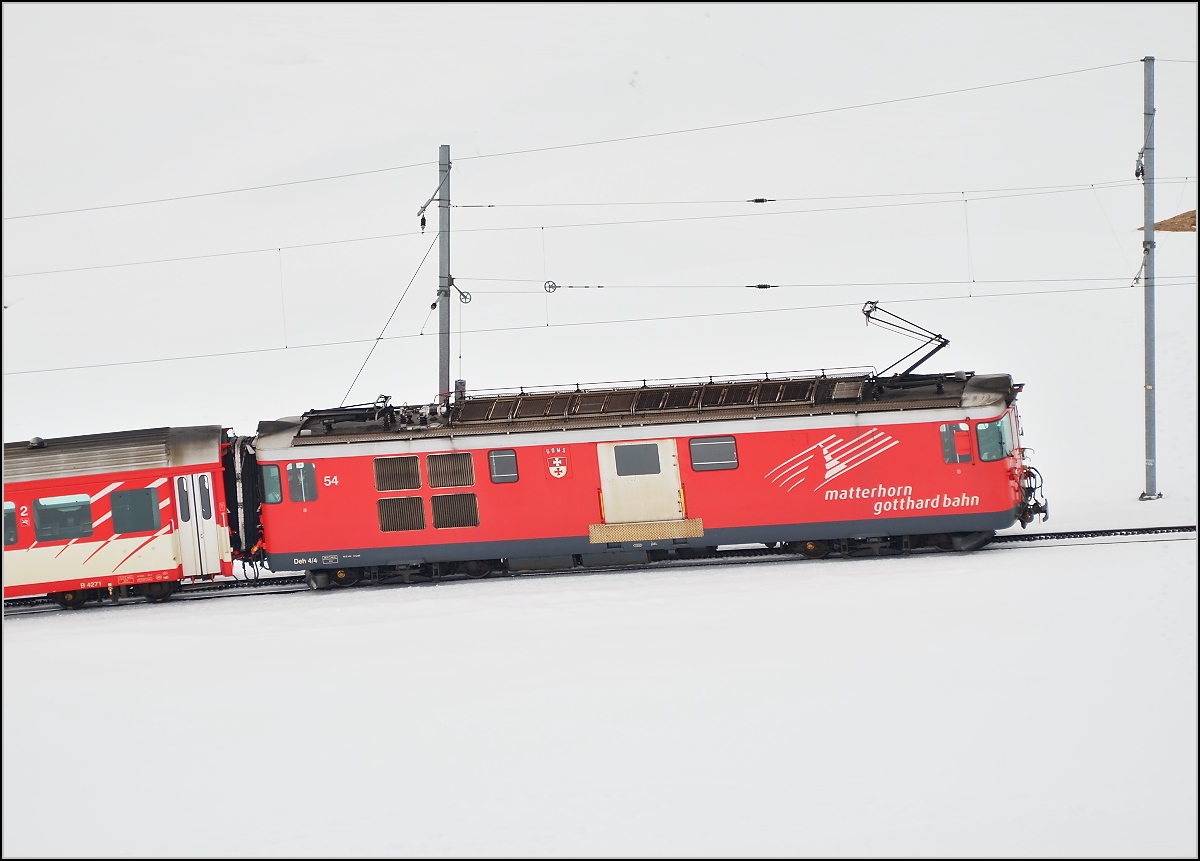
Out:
{"x": 970, "y": 167}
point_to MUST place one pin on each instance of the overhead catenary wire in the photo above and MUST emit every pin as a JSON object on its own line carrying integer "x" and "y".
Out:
{"x": 958, "y": 197}
{"x": 396, "y": 308}
{"x": 1113, "y": 183}
{"x": 628, "y": 138}
{"x": 576, "y": 324}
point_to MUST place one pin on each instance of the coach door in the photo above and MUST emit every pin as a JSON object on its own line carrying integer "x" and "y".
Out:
{"x": 198, "y": 543}
{"x": 640, "y": 481}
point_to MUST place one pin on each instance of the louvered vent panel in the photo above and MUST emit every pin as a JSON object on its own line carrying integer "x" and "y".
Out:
{"x": 619, "y": 402}
{"x": 474, "y": 411}
{"x": 797, "y": 391}
{"x": 402, "y": 514}
{"x": 768, "y": 393}
{"x": 455, "y": 509}
{"x": 590, "y": 404}
{"x": 682, "y": 398}
{"x": 532, "y": 407}
{"x": 650, "y": 400}
{"x": 847, "y": 391}
{"x": 397, "y": 473}
{"x": 738, "y": 395}
{"x": 450, "y": 470}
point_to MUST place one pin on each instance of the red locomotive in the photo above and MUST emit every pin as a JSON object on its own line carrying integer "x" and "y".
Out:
{"x": 558, "y": 479}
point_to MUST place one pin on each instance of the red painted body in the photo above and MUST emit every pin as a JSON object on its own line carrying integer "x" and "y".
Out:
{"x": 891, "y": 471}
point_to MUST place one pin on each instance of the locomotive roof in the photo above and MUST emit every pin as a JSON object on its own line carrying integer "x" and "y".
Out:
{"x": 650, "y": 404}
{"x": 111, "y": 452}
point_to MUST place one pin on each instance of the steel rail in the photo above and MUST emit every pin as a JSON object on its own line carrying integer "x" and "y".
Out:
{"x": 286, "y": 583}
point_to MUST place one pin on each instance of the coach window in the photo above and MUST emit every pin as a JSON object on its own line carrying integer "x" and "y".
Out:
{"x": 503, "y": 466}
{"x": 10, "y": 523}
{"x": 717, "y": 452}
{"x": 59, "y": 517}
{"x": 205, "y": 498}
{"x": 272, "y": 489}
{"x": 302, "y": 482}
{"x": 640, "y": 459}
{"x": 183, "y": 500}
{"x": 956, "y": 443}
{"x": 995, "y": 439}
{"x": 135, "y": 510}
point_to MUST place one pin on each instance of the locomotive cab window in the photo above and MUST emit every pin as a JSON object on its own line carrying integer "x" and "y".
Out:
{"x": 135, "y": 510}
{"x": 995, "y": 439}
{"x": 956, "y": 442}
{"x": 302, "y": 482}
{"x": 639, "y": 459}
{"x": 10, "y": 523}
{"x": 62, "y": 517}
{"x": 272, "y": 490}
{"x": 503, "y": 466}
{"x": 717, "y": 452}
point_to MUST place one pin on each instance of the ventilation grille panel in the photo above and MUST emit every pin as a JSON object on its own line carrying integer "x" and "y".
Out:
{"x": 455, "y": 509}
{"x": 401, "y": 514}
{"x": 450, "y": 470}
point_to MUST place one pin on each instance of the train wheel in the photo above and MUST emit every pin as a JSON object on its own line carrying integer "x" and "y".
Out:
{"x": 72, "y": 600}
{"x": 158, "y": 592}
{"x": 813, "y": 549}
{"x": 477, "y": 569}
{"x": 345, "y": 576}
{"x": 941, "y": 541}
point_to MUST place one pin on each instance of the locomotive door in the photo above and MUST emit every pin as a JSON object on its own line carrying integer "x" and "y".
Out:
{"x": 639, "y": 481}
{"x": 199, "y": 546}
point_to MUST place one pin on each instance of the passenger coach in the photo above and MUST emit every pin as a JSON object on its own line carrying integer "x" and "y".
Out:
{"x": 106, "y": 515}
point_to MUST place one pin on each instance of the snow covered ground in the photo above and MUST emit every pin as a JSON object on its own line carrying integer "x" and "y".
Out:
{"x": 1018, "y": 701}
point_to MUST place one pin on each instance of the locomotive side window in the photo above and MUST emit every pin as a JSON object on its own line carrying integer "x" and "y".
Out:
{"x": 272, "y": 490}
{"x": 956, "y": 443}
{"x": 397, "y": 473}
{"x": 10, "y": 523}
{"x": 638, "y": 459}
{"x": 59, "y": 517}
{"x": 302, "y": 482}
{"x": 503, "y": 466}
{"x": 135, "y": 510}
{"x": 450, "y": 470}
{"x": 716, "y": 452}
{"x": 995, "y": 439}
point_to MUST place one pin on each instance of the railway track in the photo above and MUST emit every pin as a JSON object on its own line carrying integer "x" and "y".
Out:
{"x": 285, "y": 583}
